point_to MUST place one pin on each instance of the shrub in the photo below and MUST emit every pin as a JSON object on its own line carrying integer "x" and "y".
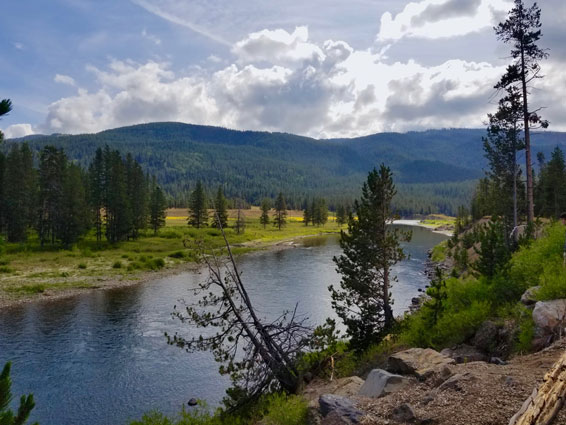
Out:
{"x": 177, "y": 254}
{"x": 6, "y": 269}
{"x": 285, "y": 410}
{"x": 117, "y": 265}
{"x": 159, "y": 263}
{"x": 82, "y": 265}
{"x": 552, "y": 282}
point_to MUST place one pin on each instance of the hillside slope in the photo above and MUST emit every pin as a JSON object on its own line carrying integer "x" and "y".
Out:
{"x": 434, "y": 168}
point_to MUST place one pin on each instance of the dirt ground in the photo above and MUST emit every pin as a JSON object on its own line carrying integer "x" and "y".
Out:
{"x": 486, "y": 394}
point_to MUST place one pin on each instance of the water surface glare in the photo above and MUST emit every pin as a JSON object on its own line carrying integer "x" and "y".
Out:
{"x": 101, "y": 358}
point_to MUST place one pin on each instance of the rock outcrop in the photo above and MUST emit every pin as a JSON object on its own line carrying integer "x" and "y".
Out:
{"x": 550, "y": 322}
{"x": 338, "y": 407}
{"x": 420, "y": 362}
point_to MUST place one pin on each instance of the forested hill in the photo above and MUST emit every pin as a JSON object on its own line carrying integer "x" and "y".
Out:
{"x": 434, "y": 169}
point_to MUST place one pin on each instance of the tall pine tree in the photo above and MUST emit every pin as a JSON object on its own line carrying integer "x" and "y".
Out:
{"x": 265, "y": 208}
{"x": 370, "y": 249}
{"x": 280, "y": 217}
{"x": 220, "y": 218}
{"x": 157, "y": 207}
{"x": 198, "y": 207}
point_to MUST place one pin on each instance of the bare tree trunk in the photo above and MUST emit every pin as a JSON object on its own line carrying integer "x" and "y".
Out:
{"x": 526, "y": 115}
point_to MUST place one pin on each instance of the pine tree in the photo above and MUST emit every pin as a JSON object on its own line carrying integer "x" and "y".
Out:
{"x": 341, "y": 216}
{"x": 137, "y": 189}
{"x": 97, "y": 184}
{"x": 522, "y": 30}
{"x": 220, "y": 218}
{"x": 73, "y": 218}
{"x": 157, "y": 207}
{"x": 52, "y": 168}
{"x": 370, "y": 249}
{"x": 320, "y": 212}
{"x": 5, "y": 108}
{"x": 280, "y": 217}
{"x": 552, "y": 184}
{"x": 265, "y": 208}
{"x": 493, "y": 251}
{"x": 20, "y": 192}
{"x": 198, "y": 207}
{"x": 118, "y": 210}
{"x": 240, "y": 225}
{"x": 306, "y": 213}
{"x": 7, "y": 417}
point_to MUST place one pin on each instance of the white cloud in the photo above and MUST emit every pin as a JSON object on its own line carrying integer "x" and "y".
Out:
{"x": 278, "y": 46}
{"x": 64, "y": 79}
{"x": 433, "y": 19}
{"x": 18, "y": 130}
{"x": 18, "y": 45}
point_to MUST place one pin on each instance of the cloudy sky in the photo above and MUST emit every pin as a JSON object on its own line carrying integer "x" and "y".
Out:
{"x": 322, "y": 68}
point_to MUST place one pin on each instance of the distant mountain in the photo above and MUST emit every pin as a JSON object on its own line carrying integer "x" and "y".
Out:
{"x": 435, "y": 169}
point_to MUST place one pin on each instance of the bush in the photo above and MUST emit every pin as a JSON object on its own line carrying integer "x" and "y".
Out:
{"x": 177, "y": 254}
{"x": 6, "y": 269}
{"x": 82, "y": 266}
{"x": 282, "y": 409}
{"x": 117, "y": 265}
{"x": 552, "y": 282}
{"x": 159, "y": 263}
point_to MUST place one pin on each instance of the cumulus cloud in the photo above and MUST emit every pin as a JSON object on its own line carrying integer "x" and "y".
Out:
{"x": 64, "y": 79}
{"x": 18, "y": 130}
{"x": 278, "y": 46}
{"x": 433, "y": 19}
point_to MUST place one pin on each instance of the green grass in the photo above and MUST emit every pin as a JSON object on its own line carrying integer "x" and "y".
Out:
{"x": 91, "y": 261}
{"x": 439, "y": 252}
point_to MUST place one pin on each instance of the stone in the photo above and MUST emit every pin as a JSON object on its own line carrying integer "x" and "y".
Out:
{"x": 334, "y": 418}
{"x": 192, "y": 402}
{"x": 528, "y": 298}
{"x": 497, "y": 361}
{"x": 465, "y": 354}
{"x": 404, "y": 413}
{"x": 427, "y": 399}
{"x": 421, "y": 362}
{"x": 455, "y": 382}
{"x": 496, "y": 339}
{"x": 380, "y": 383}
{"x": 342, "y": 406}
{"x": 550, "y": 319}
{"x": 345, "y": 387}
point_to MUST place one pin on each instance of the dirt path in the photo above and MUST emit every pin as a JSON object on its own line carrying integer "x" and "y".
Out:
{"x": 485, "y": 394}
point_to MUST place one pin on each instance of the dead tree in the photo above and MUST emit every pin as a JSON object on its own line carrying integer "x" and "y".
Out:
{"x": 259, "y": 355}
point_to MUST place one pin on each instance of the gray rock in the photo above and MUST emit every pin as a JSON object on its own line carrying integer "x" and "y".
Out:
{"x": 421, "y": 362}
{"x": 528, "y": 298}
{"x": 550, "y": 319}
{"x": 404, "y": 413}
{"x": 342, "y": 406}
{"x": 497, "y": 361}
{"x": 192, "y": 402}
{"x": 455, "y": 383}
{"x": 334, "y": 418}
{"x": 380, "y": 383}
{"x": 465, "y": 354}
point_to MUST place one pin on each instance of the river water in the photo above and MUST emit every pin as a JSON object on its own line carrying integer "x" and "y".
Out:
{"x": 101, "y": 358}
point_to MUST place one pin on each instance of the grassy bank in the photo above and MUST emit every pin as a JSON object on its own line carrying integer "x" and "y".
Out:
{"x": 28, "y": 270}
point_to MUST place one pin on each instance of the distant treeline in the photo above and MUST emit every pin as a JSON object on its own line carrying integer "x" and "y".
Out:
{"x": 61, "y": 201}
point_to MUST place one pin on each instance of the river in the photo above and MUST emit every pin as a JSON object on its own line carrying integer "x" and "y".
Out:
{"x": 101, "y": 358}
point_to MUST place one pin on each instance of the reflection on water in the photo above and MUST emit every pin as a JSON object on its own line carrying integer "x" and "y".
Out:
{"x": 101, "y": 357}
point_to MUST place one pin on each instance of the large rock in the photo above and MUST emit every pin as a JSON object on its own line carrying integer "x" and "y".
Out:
{"x": 380, "y": 383}
{"x": 404, "y": 413}
{"x": 550, "y": 319}
{"x": 341, "y": 406}
{"x": 465, "y": 354}
{"x": 345, "y": 387}
{"x": 421, "y": 362}
{"x": 496, "y": 339}
{"x": 529, "y": 297}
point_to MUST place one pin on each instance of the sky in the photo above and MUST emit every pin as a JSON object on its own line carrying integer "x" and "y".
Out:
{"x": 320, "y": 68}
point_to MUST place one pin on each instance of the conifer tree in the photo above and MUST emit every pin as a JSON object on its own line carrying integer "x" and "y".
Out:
{"x": 73, "y": 218}
{"x": 306, "y": 213}
{"x": 552, "y": 185}
{"x": 522, "y": 30}
{"x": 137, "y": 189}
{"x": 118, "y": 209}
{"x": 341, "y": 216}
{"x": 20, "y": 192}
{"x": 370, "y": 249}
{"x": 265, "y": 208}
{"x": 5, "y": 108}
{"x": 97, "y": 195}
{"x": 52, "y": 169}
{"x": 7, "y": 417}
{"x": 280, "y": 217}
{"x": 220, "y": 218}
{"x": 198, "y": 207}
{"x": 157, "y": 207}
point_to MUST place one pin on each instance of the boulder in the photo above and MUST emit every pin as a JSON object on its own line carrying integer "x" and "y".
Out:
{"x": 421, "y": 362}
{"x": 496, "y": 339}
{"x": 341, "y": 406}
{"x": 334, "y": 418}
{"x": 465, "y": 354}
{"x": 380, "y": 383}
{"x": 550, "y": 319}
{"x": 403, "y": 413}
{"x": 192, "y": 402}
{"x": 528, "y": 298}
{"x": 455, "y": 382}
{"x": 345, "y": 387}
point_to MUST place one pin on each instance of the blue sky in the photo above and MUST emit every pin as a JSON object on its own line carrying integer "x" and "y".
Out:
{"x": 322, "y": 68}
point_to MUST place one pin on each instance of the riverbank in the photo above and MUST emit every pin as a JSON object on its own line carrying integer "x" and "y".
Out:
{"x": 29, "y": 274}
{"x": 444, "y": 227}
